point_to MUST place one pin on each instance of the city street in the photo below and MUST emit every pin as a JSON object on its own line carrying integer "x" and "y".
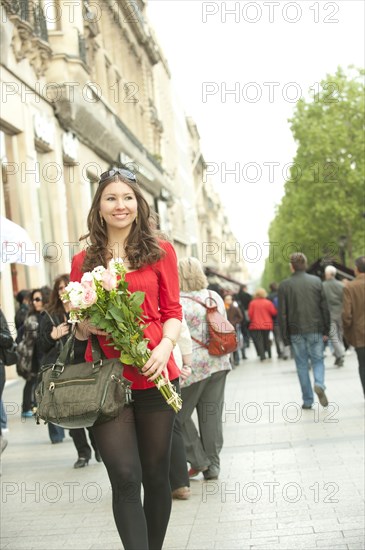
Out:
{"x": 290, "y": 479}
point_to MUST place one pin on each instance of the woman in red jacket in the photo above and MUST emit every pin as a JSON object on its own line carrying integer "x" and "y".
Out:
{"x": 261, "y": 312}
{"x": 135, "y": 447}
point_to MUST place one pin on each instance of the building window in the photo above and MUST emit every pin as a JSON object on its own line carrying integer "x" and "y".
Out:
{"x": 52, "y": 14}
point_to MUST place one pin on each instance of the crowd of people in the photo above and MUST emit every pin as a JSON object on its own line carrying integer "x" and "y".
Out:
{"x": 148, "y": 444}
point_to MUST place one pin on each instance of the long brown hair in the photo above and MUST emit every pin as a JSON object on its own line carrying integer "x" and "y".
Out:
{"x": 55, "y": 304}
{"x": 141, "y": 246}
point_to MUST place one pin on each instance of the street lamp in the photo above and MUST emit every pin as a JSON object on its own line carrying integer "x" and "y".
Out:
{"x": 342, "y": 242}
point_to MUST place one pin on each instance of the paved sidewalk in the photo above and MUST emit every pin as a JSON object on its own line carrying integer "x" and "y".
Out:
{"x": 290, "y": 479}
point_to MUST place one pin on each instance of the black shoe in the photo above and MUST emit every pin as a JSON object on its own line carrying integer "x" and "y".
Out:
{"x": 307, "y": 406}
{"x": 321, "y": 396}
{"x": 210, "y": 475}
{"x": 81, "y": 462}
{"x": 339, "y": 362}
{"x": 98, "y": 457}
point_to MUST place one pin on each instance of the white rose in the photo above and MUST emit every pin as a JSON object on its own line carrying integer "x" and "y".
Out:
{"x": 97, "y": 272}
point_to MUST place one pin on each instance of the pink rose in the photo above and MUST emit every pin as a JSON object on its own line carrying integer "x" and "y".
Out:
{"x": 89, "y": 296}
{"x": 108, "y": 280}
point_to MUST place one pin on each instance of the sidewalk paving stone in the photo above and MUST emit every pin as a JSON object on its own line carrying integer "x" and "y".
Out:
{"x": 290, "y": 479}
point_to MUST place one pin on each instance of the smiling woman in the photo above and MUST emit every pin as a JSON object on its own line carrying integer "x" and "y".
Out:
{"x": 136, "y": 445}
{"x": 118, "y": 209}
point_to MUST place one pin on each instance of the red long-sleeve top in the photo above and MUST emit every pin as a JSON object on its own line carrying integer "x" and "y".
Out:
{"x": 261, "y": 312}
{"x": 160, "y": 282}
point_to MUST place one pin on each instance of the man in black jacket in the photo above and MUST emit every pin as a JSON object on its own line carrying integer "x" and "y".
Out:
{"x": 304, "y": 321}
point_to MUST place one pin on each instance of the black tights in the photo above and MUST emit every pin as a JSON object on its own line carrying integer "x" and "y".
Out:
{"x": 135, "y": 449}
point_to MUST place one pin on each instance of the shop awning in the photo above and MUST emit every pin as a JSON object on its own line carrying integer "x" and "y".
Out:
{"x": 209, "y": 272}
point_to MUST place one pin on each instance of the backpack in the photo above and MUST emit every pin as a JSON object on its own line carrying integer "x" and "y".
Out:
{"x": 25, "y": 348}
{"x": 222, "y": 334}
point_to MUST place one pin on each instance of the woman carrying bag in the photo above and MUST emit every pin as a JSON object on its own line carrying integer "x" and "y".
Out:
{"x": 53, "y": 335}
{"x": 204, "y": 389}
{"x": 29, "y": 350}
{"x": 135, "y": 446}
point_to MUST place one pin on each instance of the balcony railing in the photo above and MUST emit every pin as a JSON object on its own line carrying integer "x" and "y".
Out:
{"x": 18, "y": 7}
{"x": 30, "y": 12}
{"x": 40, "y": 23}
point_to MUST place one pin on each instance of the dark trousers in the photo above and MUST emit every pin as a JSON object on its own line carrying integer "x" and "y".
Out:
{"x": 361, "y": 359}
{"x": 262, "y": 344}
{"x": 2, "y": 381}
{"x": 80, "y": 441}
{"x": 28, "y": 394}
{"x": 245, "y": 333}
{"x": 179, "y": 476}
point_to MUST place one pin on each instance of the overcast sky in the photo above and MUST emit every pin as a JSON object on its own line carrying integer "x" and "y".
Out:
{"x": 270, "y": 53}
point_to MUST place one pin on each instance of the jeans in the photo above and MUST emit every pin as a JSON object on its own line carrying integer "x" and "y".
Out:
{"x": 56, "y": 433}
{"x": 308, "y": 347}
{"x": 3, "y": 416}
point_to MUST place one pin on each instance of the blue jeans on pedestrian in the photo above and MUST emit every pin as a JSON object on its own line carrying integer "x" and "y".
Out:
{"x": 56, "y": 433}
{"x": 3, "y": 416}
{"x": 308, "y": 347}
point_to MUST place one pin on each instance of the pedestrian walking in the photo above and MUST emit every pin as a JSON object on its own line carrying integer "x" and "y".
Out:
{"x": 204, "y": 389}
{"x": 53, "y": 335}
{"x": 23, "y": 299}
{"x": 235, "y": 317}
{"x": 244, "y": 298}
{"x": 261, "y": 313}
{"x": 281, "y": 350}
{"x": 135, "y": 447}
{"x": 29, "y": 350}
{"x": 333, "y": 290}
{"x": 6, "y": 342}
{"x": 353, "y": 315}
{"x": 304, "y": 321}
{"x": 179, "y": 478}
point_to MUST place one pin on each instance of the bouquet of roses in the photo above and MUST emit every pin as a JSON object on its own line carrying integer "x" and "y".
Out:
{"x": 103, "y": 297}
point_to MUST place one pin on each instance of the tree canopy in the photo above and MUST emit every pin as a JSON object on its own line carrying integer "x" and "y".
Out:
{"x": 325, "y": 195}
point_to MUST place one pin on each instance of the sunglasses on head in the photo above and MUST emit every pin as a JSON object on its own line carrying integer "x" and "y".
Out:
{"x": 117, "y": 171}
{"x": 37, "y": 300}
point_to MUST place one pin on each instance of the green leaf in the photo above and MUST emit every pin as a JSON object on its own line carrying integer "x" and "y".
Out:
{"x": 137, "y": 298}
{"x": 117, "y": 314}
{"x": 126, "y": 359}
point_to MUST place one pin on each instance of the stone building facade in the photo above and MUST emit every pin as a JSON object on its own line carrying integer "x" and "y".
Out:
{"x": 85, "y": 87}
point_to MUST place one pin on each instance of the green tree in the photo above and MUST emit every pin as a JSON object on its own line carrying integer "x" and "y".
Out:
{"x": 325, "y": 194}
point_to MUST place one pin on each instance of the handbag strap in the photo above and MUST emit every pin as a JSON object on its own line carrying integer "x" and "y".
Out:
{"x": 64, "y": 357}
{"x": 210, "y": 297}
{"x": 206, "y": 307}
{"x": 59, "y": 340}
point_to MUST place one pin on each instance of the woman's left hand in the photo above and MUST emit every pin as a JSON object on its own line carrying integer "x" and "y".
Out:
{"x": 157, "y": 363}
